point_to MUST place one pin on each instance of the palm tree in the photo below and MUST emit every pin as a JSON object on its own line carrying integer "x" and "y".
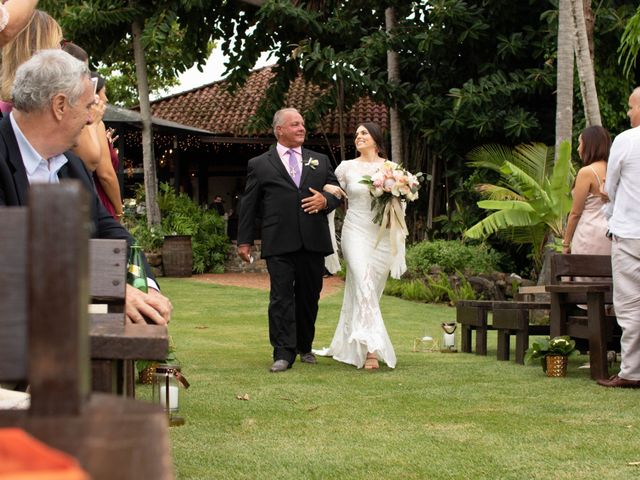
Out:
{"x": 564, "y": 91}
{"x": 585, "y": 65}
{"x": 533, "y": 198}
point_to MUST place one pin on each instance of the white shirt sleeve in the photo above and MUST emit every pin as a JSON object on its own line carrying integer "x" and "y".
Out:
{"x": 614, "y": 166}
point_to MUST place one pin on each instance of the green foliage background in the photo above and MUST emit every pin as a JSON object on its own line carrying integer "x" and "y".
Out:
{"x": 183, "y": 216}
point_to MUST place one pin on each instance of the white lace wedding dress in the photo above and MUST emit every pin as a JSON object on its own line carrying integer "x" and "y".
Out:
{"x": 361, "y": 328}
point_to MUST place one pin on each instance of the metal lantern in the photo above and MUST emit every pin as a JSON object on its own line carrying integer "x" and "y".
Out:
{"x": 448, "y": 337}
{"x": 166, "y": 392}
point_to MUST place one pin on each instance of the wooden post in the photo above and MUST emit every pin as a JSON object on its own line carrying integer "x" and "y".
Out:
{"x": 58, "y": 288}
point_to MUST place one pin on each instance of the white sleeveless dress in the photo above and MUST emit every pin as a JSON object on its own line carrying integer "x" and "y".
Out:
{"x": 361, "y": 327}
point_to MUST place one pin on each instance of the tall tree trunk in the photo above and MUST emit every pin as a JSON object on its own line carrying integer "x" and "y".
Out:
{"x": 585, "y": 66}
{"x": 148, "y": 161}
{"x": 564, "y": 91}
{"x": 393, "y": 75}
{"x": 590, "y": 24}
{"x": 341, "y": 118}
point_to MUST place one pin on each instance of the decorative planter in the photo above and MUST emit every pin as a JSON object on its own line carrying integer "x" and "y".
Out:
{"x": 145, "y": 376}
{"x": 556, "y": 365}
{"x": 177, "y": 256}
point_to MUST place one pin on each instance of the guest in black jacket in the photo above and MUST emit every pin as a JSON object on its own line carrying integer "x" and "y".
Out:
{"x": 52, "y": 98}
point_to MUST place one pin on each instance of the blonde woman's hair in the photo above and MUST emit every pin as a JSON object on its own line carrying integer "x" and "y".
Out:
{"x": 41, "y": 33}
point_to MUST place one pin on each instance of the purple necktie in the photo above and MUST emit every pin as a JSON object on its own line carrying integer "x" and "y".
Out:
{"x": 294, "y": 168}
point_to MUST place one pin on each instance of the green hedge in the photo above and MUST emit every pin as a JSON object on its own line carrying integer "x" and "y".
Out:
{"x": 451, "y": 257}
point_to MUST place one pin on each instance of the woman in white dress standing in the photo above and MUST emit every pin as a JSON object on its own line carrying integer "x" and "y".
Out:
{"x": 361, "y": 338}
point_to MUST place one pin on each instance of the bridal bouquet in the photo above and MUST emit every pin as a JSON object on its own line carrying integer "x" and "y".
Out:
{"x": 388, "y": 187}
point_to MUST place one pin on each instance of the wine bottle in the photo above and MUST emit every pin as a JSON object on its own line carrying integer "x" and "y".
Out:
{"x": 136, "y": 275}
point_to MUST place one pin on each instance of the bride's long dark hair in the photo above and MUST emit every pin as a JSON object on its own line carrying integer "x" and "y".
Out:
{"x": 376, "y": 133}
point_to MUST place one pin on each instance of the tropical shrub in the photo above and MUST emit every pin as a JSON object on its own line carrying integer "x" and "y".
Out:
{"x": 435, "y": 290}
{"x": 450, "y": 257}
{"x": 531, "y": 200}
{"x": 182, "y": 216}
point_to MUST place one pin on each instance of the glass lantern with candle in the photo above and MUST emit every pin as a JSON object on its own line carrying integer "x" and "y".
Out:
{"x": 166, "y": 381}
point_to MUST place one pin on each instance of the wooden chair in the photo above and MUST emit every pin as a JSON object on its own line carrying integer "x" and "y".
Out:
{"x": 44, "y": 338}
{"x": 591, "y": 324}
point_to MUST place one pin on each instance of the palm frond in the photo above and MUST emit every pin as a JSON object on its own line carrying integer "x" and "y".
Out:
{"x": 489, "y": 156}
{"x": 526, "y": 185}
{"x": 528, "y": 234}
{"x": 496, "y": 192}
{"x": 535, "y": 159}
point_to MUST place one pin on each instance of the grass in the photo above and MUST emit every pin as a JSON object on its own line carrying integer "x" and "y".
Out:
{"x": 436, "y": 416}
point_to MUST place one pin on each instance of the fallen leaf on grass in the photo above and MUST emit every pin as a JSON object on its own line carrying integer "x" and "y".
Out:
{"x": 288, "y": 399}
{"x": 311, "y": 409}
{"x": 243, "y": 397}
{"x": 634, "y": 464}
{"x": 201, "y": 327}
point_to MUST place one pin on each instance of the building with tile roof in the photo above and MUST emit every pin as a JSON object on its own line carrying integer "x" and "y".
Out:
{"x": 208, "y": 164}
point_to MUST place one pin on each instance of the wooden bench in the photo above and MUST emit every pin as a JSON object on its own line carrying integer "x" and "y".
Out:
{"x": 592, "y": 324}
{"x": 507, "y": 318}
{"x": 473, "y": 316}
{"x": 512, "y": 318}
{"x": 116, "y": 344}
{"x": 44, "y": 284}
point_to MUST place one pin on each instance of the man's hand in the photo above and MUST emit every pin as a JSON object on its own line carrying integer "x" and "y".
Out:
{"x": 153, "y": 305}
{"x": 315, "y": 203}
{"x": 244, "y": 252}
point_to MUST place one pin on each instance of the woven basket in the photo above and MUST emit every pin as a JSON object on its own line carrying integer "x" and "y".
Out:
{"x": 145, "y": 376}
{"x": 556, "y": 365}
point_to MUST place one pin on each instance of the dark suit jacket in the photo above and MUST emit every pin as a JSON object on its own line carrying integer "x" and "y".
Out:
{"x": 272, "y": 196}
{"x": 14, "y": 186}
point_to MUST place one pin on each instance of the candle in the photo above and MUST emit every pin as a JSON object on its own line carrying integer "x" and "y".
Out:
{"x": 448, "y": 340}
{"x": 173, "y": 397}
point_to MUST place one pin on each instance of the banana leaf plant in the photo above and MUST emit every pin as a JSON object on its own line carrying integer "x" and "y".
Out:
{"x": 532, "y": 199}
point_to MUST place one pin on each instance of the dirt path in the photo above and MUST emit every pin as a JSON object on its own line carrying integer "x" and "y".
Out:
{"x": 260, "y": 281}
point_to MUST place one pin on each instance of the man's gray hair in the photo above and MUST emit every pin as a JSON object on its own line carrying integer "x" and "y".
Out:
{"x": 45, "y": 75}
{"x": 278, "y": 120}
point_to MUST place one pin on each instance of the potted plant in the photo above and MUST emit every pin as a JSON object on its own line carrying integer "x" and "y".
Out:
{"x": 553, "y": 354}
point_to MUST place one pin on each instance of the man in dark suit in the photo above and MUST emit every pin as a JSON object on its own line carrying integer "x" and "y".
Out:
{"x": 284, "y": 190}
{"x": 52, "y": 98}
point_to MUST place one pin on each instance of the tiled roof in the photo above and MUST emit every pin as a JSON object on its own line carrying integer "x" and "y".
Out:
{"x": 212, "y": 108}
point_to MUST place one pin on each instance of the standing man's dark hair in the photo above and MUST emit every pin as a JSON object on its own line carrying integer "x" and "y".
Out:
{"x": 284, "y": 191}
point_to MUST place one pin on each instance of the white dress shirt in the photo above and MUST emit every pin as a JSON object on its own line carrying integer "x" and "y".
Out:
{"x": 39, "y": 170}
{"x": 623, "y": 185}
{"x": 284, "y": 156}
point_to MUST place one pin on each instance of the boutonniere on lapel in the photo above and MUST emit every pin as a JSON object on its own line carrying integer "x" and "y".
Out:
{"x": 312, "y": 163}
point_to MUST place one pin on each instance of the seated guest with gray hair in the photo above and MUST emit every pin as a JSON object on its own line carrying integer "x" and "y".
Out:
{"x": 52, "y": 98}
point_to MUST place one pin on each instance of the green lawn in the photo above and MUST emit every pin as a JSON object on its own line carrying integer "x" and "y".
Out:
{"x": 436, "y": 416}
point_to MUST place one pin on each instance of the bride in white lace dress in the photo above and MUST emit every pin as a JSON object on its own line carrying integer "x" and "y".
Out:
{"x": 361, "y": 338}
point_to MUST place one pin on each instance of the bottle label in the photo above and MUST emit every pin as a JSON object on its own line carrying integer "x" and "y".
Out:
{"x": 134, "y": 270}
{"x": 140, "y": 284}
